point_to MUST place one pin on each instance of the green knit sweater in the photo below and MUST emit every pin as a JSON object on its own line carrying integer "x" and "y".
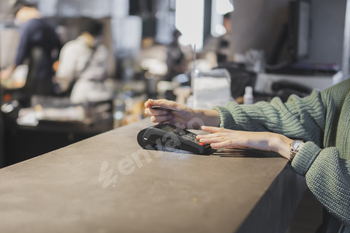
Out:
{"x": 323, "y": 121}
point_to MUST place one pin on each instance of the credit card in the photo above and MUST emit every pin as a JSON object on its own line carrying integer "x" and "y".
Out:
{"x": 162, "y": 108}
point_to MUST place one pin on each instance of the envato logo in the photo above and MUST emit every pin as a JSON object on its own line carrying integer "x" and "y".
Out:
{"x": 127, "y": 165}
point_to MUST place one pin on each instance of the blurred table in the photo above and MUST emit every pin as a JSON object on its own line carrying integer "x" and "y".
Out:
{"x": 107, "y": 183}
{"x": 23, "y": 142}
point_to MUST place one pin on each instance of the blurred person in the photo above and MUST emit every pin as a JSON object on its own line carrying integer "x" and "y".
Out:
{"x": 220, "y": 45}
{"x": 83, "y": 65}
{"x": 311, "y": 132}
{"x": 175, "y": 58}
{"x": 223, "y": 47}
{"x": 35, "y": 33}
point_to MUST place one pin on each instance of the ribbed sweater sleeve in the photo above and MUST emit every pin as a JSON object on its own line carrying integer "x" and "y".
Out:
{"x": 322, "y": 120}
{"x": 327, "y": 177}
{"x": 297, "y": 118}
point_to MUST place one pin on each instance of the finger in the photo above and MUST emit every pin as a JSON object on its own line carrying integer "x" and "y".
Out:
{"x": 157, "y": 119}
{"x": 154, "y": 112}
{"x": 212, "y": 135}
{"x": 237, "y": 147}
{"x": 161, "y": 103}
{"x": 212, "y": 129}
{"x": 224, "y": 144}
{"x": 212, "y": 140}
{"x": 148, "y": 104}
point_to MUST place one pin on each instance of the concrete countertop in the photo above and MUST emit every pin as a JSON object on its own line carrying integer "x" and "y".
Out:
{"x": 100, "y": 185}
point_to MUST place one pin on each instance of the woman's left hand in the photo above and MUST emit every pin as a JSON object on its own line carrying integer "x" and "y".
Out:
{"x": 226, "y": 138}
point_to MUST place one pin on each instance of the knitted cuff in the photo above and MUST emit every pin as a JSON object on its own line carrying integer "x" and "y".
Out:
{"x": 305, "y": 158}
{"x": 226, "y": 118}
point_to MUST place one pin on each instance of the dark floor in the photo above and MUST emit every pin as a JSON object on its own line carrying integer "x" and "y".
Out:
{"x": 308, "y": 216}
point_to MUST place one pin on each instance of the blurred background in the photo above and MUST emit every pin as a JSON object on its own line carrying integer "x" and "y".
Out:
{"x": 72, "y": 69}
{"x": 148, "y": 42}
{"x": 105, "y": 58}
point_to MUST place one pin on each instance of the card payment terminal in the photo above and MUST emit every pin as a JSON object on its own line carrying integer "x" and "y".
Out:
{"x": 171, "y": 136}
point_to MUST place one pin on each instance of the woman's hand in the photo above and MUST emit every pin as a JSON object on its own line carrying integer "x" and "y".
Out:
{"x": 180, "y": 115}
{"x": 225, "y": 138}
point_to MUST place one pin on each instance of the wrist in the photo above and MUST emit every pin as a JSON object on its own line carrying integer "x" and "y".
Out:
{"x": 209, "y": 117}
{"x": 282, "y": 144}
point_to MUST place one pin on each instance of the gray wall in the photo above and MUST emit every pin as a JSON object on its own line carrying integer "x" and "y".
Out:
{"x": 256, "y": 24}
{"x": 327, "y": 33}
{"x": 5, "y": 7}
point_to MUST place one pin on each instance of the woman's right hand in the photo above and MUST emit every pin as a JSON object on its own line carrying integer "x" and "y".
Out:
{"x": 178, "y": 114}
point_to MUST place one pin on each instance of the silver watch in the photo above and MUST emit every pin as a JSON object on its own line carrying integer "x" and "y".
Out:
{"x": 295, "y": 147}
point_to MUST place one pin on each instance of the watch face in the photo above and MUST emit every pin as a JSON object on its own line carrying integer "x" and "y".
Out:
{"x": 297, "y": 145}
